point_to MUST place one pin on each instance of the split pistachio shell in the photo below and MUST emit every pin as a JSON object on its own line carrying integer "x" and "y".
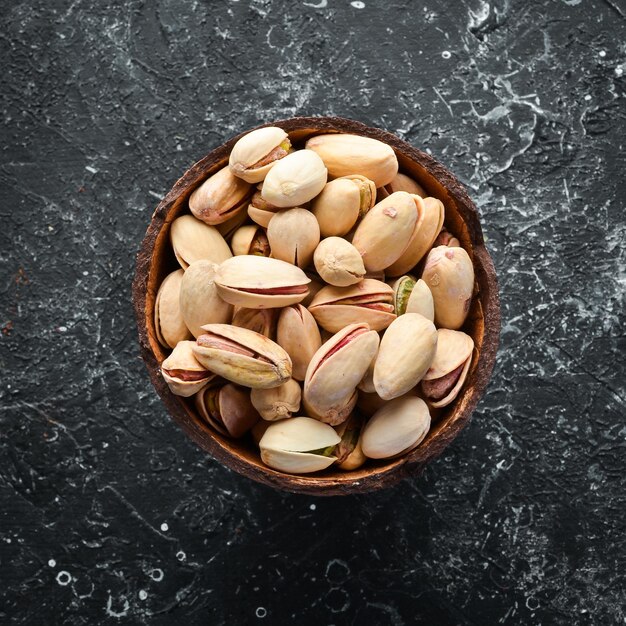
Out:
{"x": 411, "y": 296}
{"x": 449, "y": 274}
{"x": 348, "y": 451}
{"x": 293, "y": 236}
{"x": 338, "y": 262}
{"x": 429, "y": 222}
{"x": 228, "y": 228}
{"x": 242, "y": 356}
{"x": 277, "y": 403}
{"x": 222, "y": 196}
{"x": 448, "y": 371}
{"x": 407, "y": 350}
{"x": 193, "y": 240}
{"x": 260, "y": 211}
{"x": 299, "y": 335}
{"x": 169, "y": 324}
{"x": 200, "y": 302}
{"x": 396, "y": 428}
{"x": 228, "y": 409}
{"x": 445, "y": 238}
{"x": 342, "y": 202}
{"x": 299, "y": 445}
{"x": 383, "y": 234}
{"x": 369, "y": 301}
{"x": 335, "y": 370}
{"x": 254, "y": 155}
{"x": 295, "y": 179}
{"x": 345, "y": 154}
{"x": 182, "y": 372}
{"x": 250, "y": 240}
{"x": 261, "y": 321}
{"x": 402, "y": 182}
{"x": 258, "y": 282}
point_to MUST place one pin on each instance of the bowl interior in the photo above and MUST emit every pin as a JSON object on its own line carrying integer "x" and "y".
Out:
{"x": 156, "y": 260}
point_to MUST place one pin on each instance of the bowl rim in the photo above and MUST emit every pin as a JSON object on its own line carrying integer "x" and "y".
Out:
{"x": 414, "y": 462}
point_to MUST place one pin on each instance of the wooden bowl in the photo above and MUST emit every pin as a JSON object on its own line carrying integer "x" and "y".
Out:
{"x": 155, "y": 260}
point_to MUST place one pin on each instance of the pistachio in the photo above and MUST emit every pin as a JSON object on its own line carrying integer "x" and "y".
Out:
{"x": 228, "y": 409}
{"x": 299, "y": 335}
{"x": 260, "y": 211}
{"x": 345, "y": 154}
{"x": 220, "y": 197}
{"x": 258, "y": 282}
{"x": 396, "y": 428}
{"x": 200, "y": 302}
{"x": 182, "y": 372}
{"x": 242, "y": 356}
{"x": 335, "y": 370}
{"x": 250, "y": 240}
{"x": 445, "y": 238}
{"x": 449, "y": 274}
{"x": 413, "y": 297}
{"x": 254, "y": 155}
{"x": 193, "y": 240}
{"x": 402, "y": 182}
{"x": 407, "y": 350}
{"x": 448, "y": 371}
{"x": 169, "y": 324}
{"x": 295, "y": 179}
{"x": 348, "y": 451}
{"x": 299, "y": 445}
{"x": 262, "y": 321}
{"x": 383, "y": 234}
{"x": 338, "y": 262}
{"x": 342, "y": 202}
{"x": 228, "y": 228}
{"x": 277, "y": 403}
{"x": 429, "y": 223}
{"x": 369, "y": 301}
{"x": 293, "y": 236}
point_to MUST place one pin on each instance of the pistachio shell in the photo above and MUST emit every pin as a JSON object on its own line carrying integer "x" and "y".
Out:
{"x": 345, "y": 154}
{"x": 228, "y": 409}
{"x": 299, "y": 335}
{"x": 288, "y": 445}
{"x": 341, "y": 202}
{"x": 220, "y": 197}
{"x": 383, "y": 234}
{"x": 369, "y": 301}
{"x": 338, "y": 262}
{"x": 193, "y": 240}
{"x": 262, "y": 217}
{"x": 250, "y": 240}
{"x": 295, "y": 179}
{"x": 261, "y": 321}
{"x": 258, "y": 282}
{"x": 169, "y": 324}
{"x": 293, "y": 236}
{"x": 413, "y": 297}
{"x": 200, "y": 302}
{"x": 277, "y": 403}
{"x": 254, "y": 155}
{"x": 396, "y": 428}
{"x": 182, "y": 371}
{"x": 449, "y": 274}
{"x": 242, "y": 356}
{"x": 406, "y": 351}
{"x": 335, "y": 370}
{"x": 449, "y": 368}
{"x": 348, "y": 451}
{"x": 429, "y": 222}
{"x": 402, "y": 182}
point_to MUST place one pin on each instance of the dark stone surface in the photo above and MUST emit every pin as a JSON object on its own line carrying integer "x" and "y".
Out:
{"x": 110, "y": 515}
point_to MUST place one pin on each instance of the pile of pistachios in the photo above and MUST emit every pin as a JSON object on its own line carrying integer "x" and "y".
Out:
{"x": 297, "y": 317}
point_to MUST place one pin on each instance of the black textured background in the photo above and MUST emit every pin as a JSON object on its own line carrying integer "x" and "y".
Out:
{"x": 109, "y": 515}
